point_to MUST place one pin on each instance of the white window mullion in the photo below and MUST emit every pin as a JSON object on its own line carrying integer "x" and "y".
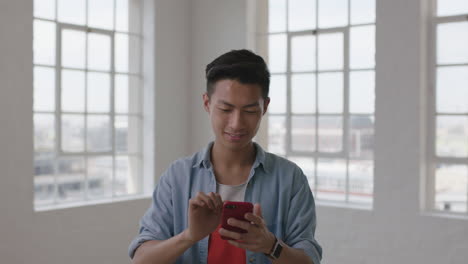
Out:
{"x": 86, "y": 169}
{"x": 58, "y": 100}
{"x": 346, "y": 115}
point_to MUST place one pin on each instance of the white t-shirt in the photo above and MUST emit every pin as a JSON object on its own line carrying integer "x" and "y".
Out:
{"x": 233, "y": 193}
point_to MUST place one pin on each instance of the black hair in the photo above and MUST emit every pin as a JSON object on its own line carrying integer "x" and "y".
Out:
{"x": 243, "y": 66}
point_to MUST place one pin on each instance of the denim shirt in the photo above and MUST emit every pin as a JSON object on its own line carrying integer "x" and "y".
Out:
{"x": 277, "y": 184}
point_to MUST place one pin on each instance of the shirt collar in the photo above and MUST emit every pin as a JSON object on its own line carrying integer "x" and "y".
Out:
{"x": 203, "y": 157}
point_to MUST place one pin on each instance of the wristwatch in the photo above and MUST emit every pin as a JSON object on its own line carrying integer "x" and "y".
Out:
{"x": 276, "y": 250}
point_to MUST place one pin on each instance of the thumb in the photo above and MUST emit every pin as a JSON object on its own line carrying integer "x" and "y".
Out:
{"x": 257, "y": 210}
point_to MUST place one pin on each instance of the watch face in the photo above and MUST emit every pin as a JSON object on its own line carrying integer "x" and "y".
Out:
{"x": 276, "y": 254}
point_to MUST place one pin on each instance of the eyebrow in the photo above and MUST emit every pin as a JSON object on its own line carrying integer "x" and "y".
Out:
{"x": 245, "y": 106}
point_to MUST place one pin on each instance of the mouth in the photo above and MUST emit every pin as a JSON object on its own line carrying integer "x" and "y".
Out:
{"x": 235, "y": 136}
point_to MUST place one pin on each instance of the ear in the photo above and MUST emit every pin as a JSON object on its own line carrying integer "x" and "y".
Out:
{"x": 206, "y": 102}
{"x": 266, "y": 102}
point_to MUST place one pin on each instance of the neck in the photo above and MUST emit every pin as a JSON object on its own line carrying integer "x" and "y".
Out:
{"x": 228, "y": 158}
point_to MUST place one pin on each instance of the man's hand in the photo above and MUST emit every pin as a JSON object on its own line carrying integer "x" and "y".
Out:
{"x": 204, "y": 216}
{"x": 257, "y": 239}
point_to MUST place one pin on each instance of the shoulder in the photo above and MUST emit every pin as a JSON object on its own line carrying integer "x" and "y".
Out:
{"x": 181, "y": 168}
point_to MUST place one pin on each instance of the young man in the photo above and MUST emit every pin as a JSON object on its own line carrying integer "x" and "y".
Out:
{"x": 182, "y": 224}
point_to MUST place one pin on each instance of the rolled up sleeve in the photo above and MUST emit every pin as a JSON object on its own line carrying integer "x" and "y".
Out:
{"x": 157, "y": 222}
{"x": 300, "y": 230}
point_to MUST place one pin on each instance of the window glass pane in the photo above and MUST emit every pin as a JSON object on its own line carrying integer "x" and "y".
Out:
{"x": 100, "y": 176}
{"x": 361, "y": 181}
{"x": 73, "y": 48}
{"x": 303, "y": 133}
{"x": 277, "y": 134}
{"x": 276, "y": 15}
{"x": 73, "y": 91}
{"x": 362, "y": 92}
{"x": 277, "y": 94}
{"x": 452, "y": 89}
{"x": 330, "y": 93}
{"x": 361, "y": 137}
{"x": 330, "y": 133}
{"x": 127, "y": 134}
{"x": 121, "y": 93}
{"x": 277, "y": 52}
{"x": 72, "y": 133}
{"x": 362, "y": 11}
{"x": 98, "y": 93}
{"x": 307, "y": 165}
{"x": 452, "y": 136}
{"x": 70, "y": 179}
{"x": 44, "y": 132}
{"x": 301, "y": 14}
{"x": 451, "y": 187}
{"x": 127, "y": 56}
{"x": 362, "y": 47}
{"x": 451, "y": 7}
{"x": 127, "y": 175}
{"x": 127, "y": 94}
{"x": 44, "y": 89}
{"x": 330, "y": 51}
{"x": 121, "y": 22}
{"x": 99, "y": 52}
{"x": 303, "y": 53}
{"x": 72, "y": 11}
{"x": 333, "y": 13}
{"x": 99, "y": 133}
{"x": 452, "y": 43}
{"x": 44, "y": 184}
{"x": 331, "y": 180}
{"x": 44, "y": 42}
{"x": 44, "y": 9}
{"x": 303, "y": 93}
{"x": 101, "y": 14}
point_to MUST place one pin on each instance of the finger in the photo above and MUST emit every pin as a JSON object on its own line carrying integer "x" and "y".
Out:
{"x": 258, "y": 210}
{"x": 197, "y": 202}
{"x": 207, "y": 200}
{"x": 215, "y": 201}
{"x": 241, "y": 224}
{"x": 255, "y": 219}
{"x": 220, "y": 200}
{"x": 251, "y": 247}
{"x": 230, "y": 234}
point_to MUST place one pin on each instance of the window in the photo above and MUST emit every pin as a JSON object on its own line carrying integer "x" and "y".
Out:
{"x": 87, "y": 100}
{"x": 448, "y": 184}
{"x": 321, "y": 55}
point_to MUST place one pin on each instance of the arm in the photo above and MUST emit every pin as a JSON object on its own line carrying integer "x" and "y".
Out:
{"x": 204, "y": 214}
{"x": 162, "y": 251}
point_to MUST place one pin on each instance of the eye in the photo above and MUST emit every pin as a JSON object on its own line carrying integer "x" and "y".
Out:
{"x": 224, "y": 110}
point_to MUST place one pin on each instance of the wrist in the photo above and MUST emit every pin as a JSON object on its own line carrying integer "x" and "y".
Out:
{"x": 271, "y": 244}
{"x": 185, "y": 237}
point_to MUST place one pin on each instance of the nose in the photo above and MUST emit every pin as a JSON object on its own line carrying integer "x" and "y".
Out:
{"x": 236, "y": 120}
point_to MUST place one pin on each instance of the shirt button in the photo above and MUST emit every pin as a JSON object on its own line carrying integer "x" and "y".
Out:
{"x": 252, "y": 260}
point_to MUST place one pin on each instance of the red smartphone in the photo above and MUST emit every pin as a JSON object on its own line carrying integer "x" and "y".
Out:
{"x": 235, "y": 210}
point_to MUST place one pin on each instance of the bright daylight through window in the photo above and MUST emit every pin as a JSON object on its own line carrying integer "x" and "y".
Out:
{"x": 448, "y": 184}
{"x": 87, "y": 100}
{"x": 322, "y": 60}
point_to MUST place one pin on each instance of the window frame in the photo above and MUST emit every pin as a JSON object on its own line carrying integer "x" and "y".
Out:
{"x": 429, "y": 203}
{"x": 346, "y": 115}
{"x": 135, "y": 8}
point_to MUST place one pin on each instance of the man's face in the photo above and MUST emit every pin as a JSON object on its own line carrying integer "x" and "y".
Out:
{"x": 235, "y": 111}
